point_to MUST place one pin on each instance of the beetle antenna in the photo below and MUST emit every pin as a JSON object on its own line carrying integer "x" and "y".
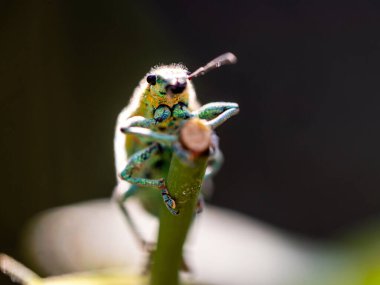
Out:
{"x": 226, "y": 58}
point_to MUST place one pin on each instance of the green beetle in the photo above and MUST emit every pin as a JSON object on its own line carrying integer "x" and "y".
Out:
{"x": 148, "y": 126}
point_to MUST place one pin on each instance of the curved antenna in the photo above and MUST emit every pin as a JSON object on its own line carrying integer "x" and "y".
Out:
{"x": 226, "y": 58}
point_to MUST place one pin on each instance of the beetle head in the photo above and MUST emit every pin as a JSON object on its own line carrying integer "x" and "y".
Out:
{"x": 168, "y": 80}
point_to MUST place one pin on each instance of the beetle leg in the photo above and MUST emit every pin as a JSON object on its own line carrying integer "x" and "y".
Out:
{"x": 139, "y": 121}
{"x": 215, "y": 163}
{"x": 180, "y": 111}
{"x": 135, "y": 163}
{"x": 169, "y": 202}
{"x": 217, "y": 113}
{"x": 120, "y": 196}
{"x": 143, "y": 132}
{"x": 161, "y": 114}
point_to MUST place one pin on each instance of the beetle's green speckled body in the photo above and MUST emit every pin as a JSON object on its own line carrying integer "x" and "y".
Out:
{"x": 147, "y": 128}
{"x": 150, "y": 101}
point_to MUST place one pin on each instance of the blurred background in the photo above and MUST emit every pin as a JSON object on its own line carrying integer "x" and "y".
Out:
{"x": 303, "y": 154}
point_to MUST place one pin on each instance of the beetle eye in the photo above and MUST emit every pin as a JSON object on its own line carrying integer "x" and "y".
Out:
{"x": 151, "y": 79}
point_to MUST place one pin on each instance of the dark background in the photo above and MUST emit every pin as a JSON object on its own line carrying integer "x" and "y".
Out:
{"x": 302, "y": 155}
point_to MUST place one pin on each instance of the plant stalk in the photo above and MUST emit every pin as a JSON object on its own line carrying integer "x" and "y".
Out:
{"x": 184, "y": 182}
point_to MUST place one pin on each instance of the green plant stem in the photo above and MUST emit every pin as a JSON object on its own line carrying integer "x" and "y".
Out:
{"x": 184, "y": 183}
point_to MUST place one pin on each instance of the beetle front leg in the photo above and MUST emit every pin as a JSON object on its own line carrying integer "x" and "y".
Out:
{"x": 155, "y": 136}
{"x": 161, "y": 114}
{"x": 135, "y": 163}
{"x": 141, "y": 126}
{"x": 180, "y": 111}
{"x": 217, "y": 113}
{"x": 139, "y": 121}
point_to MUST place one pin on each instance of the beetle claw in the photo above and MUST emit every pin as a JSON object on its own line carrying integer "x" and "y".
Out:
{"x": 169, "y": 202}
